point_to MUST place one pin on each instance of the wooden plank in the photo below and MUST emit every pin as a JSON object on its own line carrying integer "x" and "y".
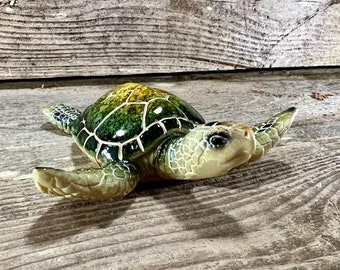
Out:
{"x": 96, "y": 38}
{"x": 281, "y": 212}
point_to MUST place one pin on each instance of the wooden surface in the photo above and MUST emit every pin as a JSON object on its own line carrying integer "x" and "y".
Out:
{"x": 282, "y": 212}
{"x": 40, "y": 39}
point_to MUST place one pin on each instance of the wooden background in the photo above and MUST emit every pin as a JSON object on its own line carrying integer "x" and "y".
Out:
{"x": 279, "y": 213}
{"x": 282, "y": 212}
{"x": 40, "y": 39}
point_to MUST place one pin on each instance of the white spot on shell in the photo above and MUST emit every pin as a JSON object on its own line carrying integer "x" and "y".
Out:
{"x": 120, "y": 133}
{"x": 158, "y": 110}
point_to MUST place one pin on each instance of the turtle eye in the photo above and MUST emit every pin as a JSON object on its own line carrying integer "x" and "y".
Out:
{"x": 217, "y": 140}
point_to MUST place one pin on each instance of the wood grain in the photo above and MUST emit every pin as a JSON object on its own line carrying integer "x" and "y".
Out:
{"x": 279, "y": 213}
{"x": 96, "y": 38}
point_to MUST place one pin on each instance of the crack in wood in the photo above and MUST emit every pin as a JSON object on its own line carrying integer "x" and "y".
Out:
{"x": 299, "y": 24}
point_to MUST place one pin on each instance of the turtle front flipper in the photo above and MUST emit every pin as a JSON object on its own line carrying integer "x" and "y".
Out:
{"x": 113, "y": 180}
{"x": 268, "y": 133}
{"x": 62, "y": 116}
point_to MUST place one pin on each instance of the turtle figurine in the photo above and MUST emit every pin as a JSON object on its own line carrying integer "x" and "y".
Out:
{"x": 135, "y": 133}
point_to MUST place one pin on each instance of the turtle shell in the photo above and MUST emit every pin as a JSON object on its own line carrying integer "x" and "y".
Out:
{"x": 131, "y": 120}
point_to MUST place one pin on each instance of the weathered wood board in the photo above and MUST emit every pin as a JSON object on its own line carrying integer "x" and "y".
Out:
{"x": 40, "y": 39}
{"x": 282, "y": 212}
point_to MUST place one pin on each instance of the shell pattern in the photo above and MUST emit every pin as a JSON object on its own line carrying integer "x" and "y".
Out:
{"x": 125, "y": 124}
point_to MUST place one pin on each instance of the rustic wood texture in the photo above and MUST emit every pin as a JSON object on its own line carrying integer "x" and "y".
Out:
{"x": 40, "y": 39}
{"x": 282, "y": 212}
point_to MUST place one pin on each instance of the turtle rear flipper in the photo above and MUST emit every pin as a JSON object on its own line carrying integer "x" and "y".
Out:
{"x": 62, "y": 116}
{"x": 113, "y": 180}
{"x": 268, "y": 133}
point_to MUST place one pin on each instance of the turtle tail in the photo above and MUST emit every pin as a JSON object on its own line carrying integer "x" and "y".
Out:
{"x": 62, "y": 116}
{"x": 268, "y": 133}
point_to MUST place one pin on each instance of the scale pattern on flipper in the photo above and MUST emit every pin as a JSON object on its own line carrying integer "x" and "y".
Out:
{"x": 63, "y": 117}
{"x": 93, "y": 183}
{"x": 268, "y": 133}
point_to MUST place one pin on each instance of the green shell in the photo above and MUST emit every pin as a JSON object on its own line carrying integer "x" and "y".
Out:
{"x": 131, "y": 120}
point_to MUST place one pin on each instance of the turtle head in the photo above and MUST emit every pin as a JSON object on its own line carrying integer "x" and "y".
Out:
{"x": 223, "y": 146}
{"x": 210, "y": 150}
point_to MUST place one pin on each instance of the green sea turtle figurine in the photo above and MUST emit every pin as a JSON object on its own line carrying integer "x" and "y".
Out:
{"x": 135, "y": 133}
